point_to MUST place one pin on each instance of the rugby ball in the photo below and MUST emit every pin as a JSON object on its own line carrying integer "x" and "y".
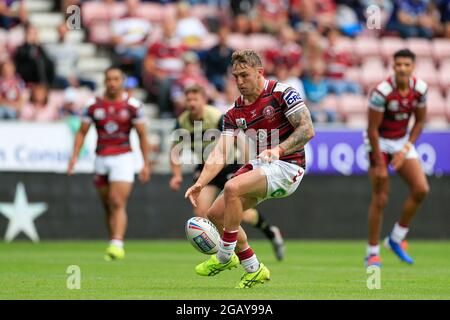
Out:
{"x": 203, "y": 235}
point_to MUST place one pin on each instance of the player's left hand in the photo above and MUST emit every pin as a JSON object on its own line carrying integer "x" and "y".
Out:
{"x": 397, "y": 160}
{"x": 269, "y": 155}
{"x": 193, "y": 192}
{"x": 144, "y": 175}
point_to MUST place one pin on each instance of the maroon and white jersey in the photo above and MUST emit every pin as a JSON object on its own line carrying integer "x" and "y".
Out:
{"x": 113, "y": 121}
{"x": 266, "y": 119}
{"x": 397, "y": 110}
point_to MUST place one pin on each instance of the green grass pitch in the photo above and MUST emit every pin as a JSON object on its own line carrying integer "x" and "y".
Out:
{"x": 165, "y": 270}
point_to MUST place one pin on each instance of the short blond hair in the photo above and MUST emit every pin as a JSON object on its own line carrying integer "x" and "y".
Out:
{"x": 247, "y": 57}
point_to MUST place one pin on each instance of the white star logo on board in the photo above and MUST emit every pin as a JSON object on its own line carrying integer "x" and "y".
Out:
{"x": 21, "y": 215}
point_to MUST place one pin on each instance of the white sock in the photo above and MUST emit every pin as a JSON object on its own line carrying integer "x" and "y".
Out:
{"x": 398, "y": 233}
{"x": 251, "y": 264}
{"x": 116, "y": 243}
{"x": 373, "y": 250}
{"x": 226, "y": 250}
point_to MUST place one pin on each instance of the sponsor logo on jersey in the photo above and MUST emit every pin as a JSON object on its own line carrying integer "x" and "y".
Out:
{"x": 253, "y": 113}
{"x": 99, "y": 114}
{"x": 292, "y": 98}
{"x": 241, "y": 123}
{"x": 269, "y": 112}
{"x": 393, "y": 105}
{"x": 376, "y": 99}
{"x": 401, "y": 116}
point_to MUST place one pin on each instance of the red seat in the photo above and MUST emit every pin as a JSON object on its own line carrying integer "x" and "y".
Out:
{"x": 435, "y": 104}
{"x": 94, "y": 11}
{"x": 330, "y": 103}
{"x": 203, "y": 11}
{"x": 352, "y": 104}
{"x": 367, "y": 46}
{"x": 100, "y": 33}
{"x": 444, "y": 75}
{"x": 156, "y": 12}
{"x": 353, "y": 74}
{"x": 447, "y": 106}
{"x": 390, "y": 45}
{"x": 372, "y": 72}
{"x": 440, "y": 49}
{"x": 237, "y": 41}
{"x": 420, "y": 47}
{"x": 261, "y": 42}
{"x": 345, "y": 44}
{"x": 426, "y": 70}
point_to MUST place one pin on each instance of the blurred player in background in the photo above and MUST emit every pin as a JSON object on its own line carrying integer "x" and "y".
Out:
{"x": 391, "y": 105}
{"x": 276, "y": 113}
{"x": 212, "y": 118}
{"x": 114, "y": 115}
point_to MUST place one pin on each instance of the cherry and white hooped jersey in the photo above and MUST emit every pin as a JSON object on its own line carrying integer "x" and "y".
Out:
{"x": 113, "y": 121}
{"x": 397, "y": 109}
{"x": 267, "y": 116}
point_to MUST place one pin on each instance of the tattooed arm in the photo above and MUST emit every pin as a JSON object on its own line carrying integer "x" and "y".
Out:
{"x": 304, "y": 131}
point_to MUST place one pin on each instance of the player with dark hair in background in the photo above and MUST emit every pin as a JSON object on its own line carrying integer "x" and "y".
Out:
{"x": 391, "y": 105}
{"x": 114, "y": 115}
{"x": 274, "y": 115}
{"x": 211, "y": 118}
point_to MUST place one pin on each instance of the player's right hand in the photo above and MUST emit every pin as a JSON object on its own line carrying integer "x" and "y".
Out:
{"x": 193, "y": 192}
{"x": 71, "y": 166}
{"x": 175, "y": 183}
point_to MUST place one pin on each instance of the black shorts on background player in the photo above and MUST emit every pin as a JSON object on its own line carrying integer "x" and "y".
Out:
{"x": 223, "y": 176}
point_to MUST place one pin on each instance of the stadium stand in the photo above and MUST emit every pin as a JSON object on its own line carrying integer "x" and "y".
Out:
{"x": 372, "y": 50}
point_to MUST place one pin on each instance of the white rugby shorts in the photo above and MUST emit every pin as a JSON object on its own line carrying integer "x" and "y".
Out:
{"x": 119, "y": 167}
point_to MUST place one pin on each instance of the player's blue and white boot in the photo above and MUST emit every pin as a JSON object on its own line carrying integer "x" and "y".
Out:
{"x": 398, "y": 249}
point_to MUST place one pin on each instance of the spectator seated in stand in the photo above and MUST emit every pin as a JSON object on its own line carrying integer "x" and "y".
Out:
{"x": 217, "y": 60}
{"x": 337, "y": 61}
{"x": 65, "y": 56}
{"x": 32, "y": 60}
{"x": 39, "y": 108}
{"x": 130, "y": 33}
{"x": 162, "y": 66}
{"x": 12, "y": 90}
{"x": 12, "y": 13}
{"x": 412, "y": 18}
{"x": 316, "y": 91}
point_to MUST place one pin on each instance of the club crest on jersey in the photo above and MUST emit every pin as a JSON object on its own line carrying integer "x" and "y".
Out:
{"x": 292, "y": 98}
{"x": 99, "y": 114}
{"x": 111, "y": 127}
{"x": 393, "y": 105}
{"x": 269, "y": 112}
{"x": 241, "y": 123}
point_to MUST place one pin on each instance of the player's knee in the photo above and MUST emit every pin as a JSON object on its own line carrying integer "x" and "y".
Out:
{"x": 115, "y": 201}
{"x": 214, "y": 214}
{"x": 201, "y": 212}
{"x": 419, "y": 193}
{"x": 381, "y": 200}
{"x": 231, "y": 189}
